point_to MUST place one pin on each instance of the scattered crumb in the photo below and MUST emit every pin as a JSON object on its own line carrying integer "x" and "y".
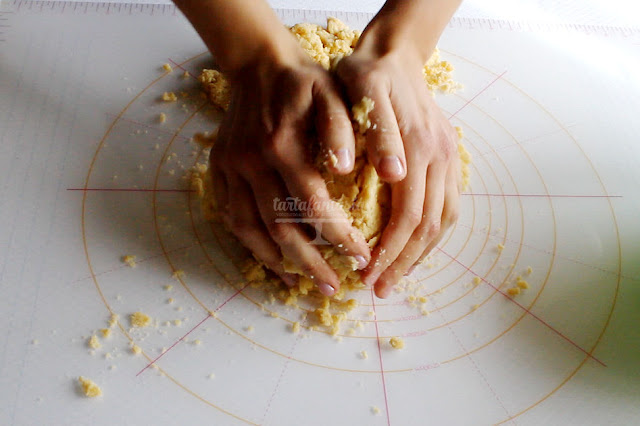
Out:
{"x": 474, "y": 307}
{"x": 211, "y": 376}
{"x": 529, "y": 270}
{"x": 295, "y": 327}
{"x": 130, "y": 260}
{"x": 169, "y": 97}
{"x": 136, "y": 350}
{"x": 168, "y": 287}
{"x": 197, "y": 342}
{"x": 500, "y": 247}
{"x": 162, "y": 117}
{"x": 113, "y": 320}
{"x": 477, "y": 280}
{"x": 177, "y": 322}
{"x": 513, "y": 291}
{"x": 167, "y": 68}
{"x": 93, "y": 342}
{"x": 364, "y": 354}
{"x": 177, "y": 274}
{"x": 396, "y": 342}
{"x": 89, "y": 388}
{"x": 35, "y": 342}
{"x": 250, "y": 329}
{"x": 170, "y": 300}
{"x": 186, "y": 74}
{"x": 522, "y": 284}
{"x": 375, "y": 410}
{"x": 138, "y": 319}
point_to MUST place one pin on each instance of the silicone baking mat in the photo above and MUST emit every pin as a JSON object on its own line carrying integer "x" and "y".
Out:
{"x": 90, "y": 174}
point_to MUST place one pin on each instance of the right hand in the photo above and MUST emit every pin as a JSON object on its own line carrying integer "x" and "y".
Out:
{"x": 281, "y": 103}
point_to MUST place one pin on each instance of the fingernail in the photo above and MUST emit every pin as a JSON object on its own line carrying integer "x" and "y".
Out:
{"x": 326, "y": 289}
{"x": 290, "y": 280}
{"x": 391, "y": 165}
{"x": 362, "y": 262}
{"x": 345, "y": 161}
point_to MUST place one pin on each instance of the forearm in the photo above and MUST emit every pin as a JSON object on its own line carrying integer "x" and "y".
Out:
{"x": 238, "y": 32}
{"x": 414, "y": 25}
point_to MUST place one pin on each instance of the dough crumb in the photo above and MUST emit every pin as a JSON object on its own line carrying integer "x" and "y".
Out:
{"x": 211, "y": 376}
{"x": 177, "y": 274}
{"x": 89, "y": 388}
{"x": 361, "y": 112}
{"x": 93, "y": 342}
{"x": 113, "y": 320}
{"x": 169, "y": 97}
{"x": 167, "y": 67}
{"x": 396, "y": 342}
{"x": 136, "y": 350}
{"x": 138, "y": 319}
{"x": 375, "y": 410}
{"x": 513, "y": 291}
{"x": 529, "y": 270}
{"x": 168, "y": 287}
{"x": 186, "y": 75}
{"x": 364, "y": 354}
{"x": 500, "y": 247}
{"x": 162, "y": 117}
{"x": 130, "y": 260}
{"x": 295, "y": 327}
{"x": 522, "y": 284}
{"x": 477, "y": 280}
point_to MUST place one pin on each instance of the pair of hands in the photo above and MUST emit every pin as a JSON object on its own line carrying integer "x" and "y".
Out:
{"x": 280, "y": 107}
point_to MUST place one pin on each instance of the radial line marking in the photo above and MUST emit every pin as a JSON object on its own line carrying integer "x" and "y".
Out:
{"x": 209, "y": 315}
{"x": 524, "y": 308}
{"x": 384, "y": 385}
{"x": 477, "y": 94}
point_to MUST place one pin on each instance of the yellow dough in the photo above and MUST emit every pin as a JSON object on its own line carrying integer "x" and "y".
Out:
{"x": 89, "y": 388}
{"x": 361, "y": 194}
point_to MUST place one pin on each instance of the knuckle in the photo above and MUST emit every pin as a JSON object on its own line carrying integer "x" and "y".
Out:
{"x": 240, "y": 227}
{"x": 413, "y": 216}
{"x": 282, "y": 233}
{"x": 433, "y": 229}
{"x": 275, "y": 148}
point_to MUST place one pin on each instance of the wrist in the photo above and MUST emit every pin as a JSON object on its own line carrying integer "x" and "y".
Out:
{"x": 273, "y": 51}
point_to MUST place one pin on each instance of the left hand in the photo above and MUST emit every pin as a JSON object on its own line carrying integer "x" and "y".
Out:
{"x": 414, "y": 148}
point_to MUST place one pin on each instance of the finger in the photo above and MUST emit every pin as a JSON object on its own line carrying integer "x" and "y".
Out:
{"x": 407, "y": 202}
{"x": 450, "y": 210}
{"x": 289, "y": 235}
{"x": 335, "y": 131}
{"x": 383, "y": 140}
{"x": 243, "y": 220}
{"x": 307, "y": 186}
{"x": 424, "y": 235}
{"x": 220, "y": 193}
